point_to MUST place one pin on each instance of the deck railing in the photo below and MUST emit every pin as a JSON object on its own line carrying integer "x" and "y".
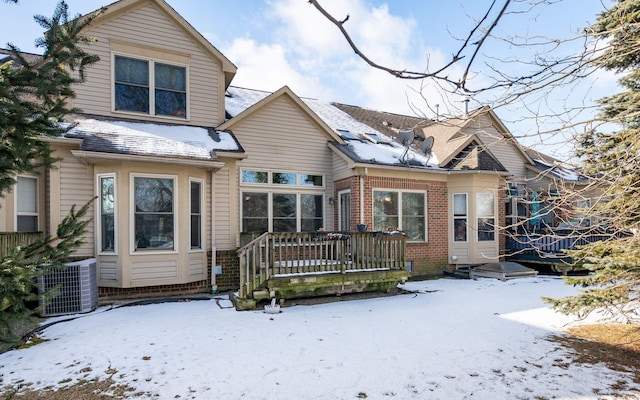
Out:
{"x": 11, "y": 240}
{"x": 277, "y": 254}
{"x": 554, "y": 244}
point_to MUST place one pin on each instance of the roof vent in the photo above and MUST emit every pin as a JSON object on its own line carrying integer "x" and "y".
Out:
{"x": 213, "y": 134}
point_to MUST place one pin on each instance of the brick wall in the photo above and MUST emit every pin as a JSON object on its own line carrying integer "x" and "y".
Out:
{"x": 230, "y": 278}
{"x": 428, "y": 258}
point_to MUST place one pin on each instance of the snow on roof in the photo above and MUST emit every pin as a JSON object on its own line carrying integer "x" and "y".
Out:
{"x": 361, "y": 150}
{"x": 132, "y": 137}
{"x": 561, "y": 171}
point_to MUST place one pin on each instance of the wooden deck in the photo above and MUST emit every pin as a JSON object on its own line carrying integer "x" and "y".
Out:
{"x": 551, "y": 249}
{"x": 11, "y": 240}
{"x": 294, "y": 265}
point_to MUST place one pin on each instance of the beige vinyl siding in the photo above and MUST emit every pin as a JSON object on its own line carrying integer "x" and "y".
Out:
{"x": 473, "y": 251}
{"x": 196, "y": 267}
{"x": 281, "y": 137}
{"x": 107, "y": 271}
{"x": 223, "y": 211}
{"x": 149, "y": 26}
{"x": 503, "y": 149}
{"x": 339, "y": 165}
{"x": 76, "y": 188}
{"x": 152, "y": 270}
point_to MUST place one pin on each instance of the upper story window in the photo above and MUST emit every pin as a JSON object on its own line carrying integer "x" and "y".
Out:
{"x": 150, "y": 87}
{"x": 26, "y": 204}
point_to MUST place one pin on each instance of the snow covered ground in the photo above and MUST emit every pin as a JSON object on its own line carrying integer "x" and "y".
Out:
{"x": 453, "y": 339}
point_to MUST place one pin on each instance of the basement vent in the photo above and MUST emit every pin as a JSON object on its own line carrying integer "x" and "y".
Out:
{"x": 77, "y": 286}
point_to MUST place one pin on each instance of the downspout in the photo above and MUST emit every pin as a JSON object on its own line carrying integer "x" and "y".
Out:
{"x": 362, "y": 196}
{"x": 214, "y": 287}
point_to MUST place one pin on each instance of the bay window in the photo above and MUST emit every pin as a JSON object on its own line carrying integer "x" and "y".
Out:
{"x": 154, "y": 213}
{"x": 107, "y": 207}
{"x": 405, "y": 211}
{"x": 485, "y": 212}
{"x": 460, "y": 216}
{"x": 195, "y": 203}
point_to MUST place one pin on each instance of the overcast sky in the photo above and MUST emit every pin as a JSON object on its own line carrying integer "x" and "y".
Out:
{"x": 287, "y": 42}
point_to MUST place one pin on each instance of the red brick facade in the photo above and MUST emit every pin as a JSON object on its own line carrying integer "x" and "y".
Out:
{"x": 427, "y": 258}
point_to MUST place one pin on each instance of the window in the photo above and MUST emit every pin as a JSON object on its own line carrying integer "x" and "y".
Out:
{"x": 401, "y": 210}
{"x": 583, "y": 212}
{"x": 311, "y": 212}
{"x": 107, "y": 204}
{"x": 27, "y": 204}
{"x": 196, "y": 214}
{"x": 282, "y": 212}
{"x": 255, "y": 177}
{"x": 460, "y": 217}
{"x": 255, "y": 212}
{"x": 485, "y": 212}
{"x": 281, "y": 178}
{"x": 282, "y": 201}
{"x": 150, "y": 87}
{"x": 154, "y": 206}
{"x": 344, "y": 213}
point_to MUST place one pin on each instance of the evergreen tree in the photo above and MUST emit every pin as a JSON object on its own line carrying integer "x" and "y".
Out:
{"x": 19, "y": 271}
{"x": 614, "y": 159}
{"x": 33, "y": 96}
{"x": 33, "y": 104}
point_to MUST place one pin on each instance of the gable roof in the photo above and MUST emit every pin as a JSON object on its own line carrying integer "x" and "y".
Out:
{"x": 262, "y": 99}
{"x": 6, "y": 55}
{"x": 546, "y": 165}
{"x": 120, "y": 7}
{"x": 462, "y": 152}
{"x": 351, "y": 139}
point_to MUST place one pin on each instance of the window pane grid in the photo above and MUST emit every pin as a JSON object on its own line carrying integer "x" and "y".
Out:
{"x": 400, "y": 210}
{"x": 196, "y": 215}
{"x": 133, "y": 91}
{"x": 154, "y": 218}
{"x": 107, "y": 217}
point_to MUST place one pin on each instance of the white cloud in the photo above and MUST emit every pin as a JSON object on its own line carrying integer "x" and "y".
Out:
{"x": 266, "y": 67}
{"x": 308, "y": 53}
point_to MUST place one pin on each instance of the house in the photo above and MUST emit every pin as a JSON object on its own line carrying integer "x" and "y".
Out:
{"x": 545, "y": 199}
{"x": 188, "y": 170}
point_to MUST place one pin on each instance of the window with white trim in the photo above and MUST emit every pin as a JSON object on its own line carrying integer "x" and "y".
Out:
{"x": 154, "y": 206}
{"x": 460, "y": 216}
{"x": 195, "y": 204}
{"x": 282, "y": 212}
{"x": 107, "y": 207}
{"x": 281, "y": 201}
{"x": 150, "y": 87}
{"x": 485, "y": 213}
{"x": 405, "y": 211}
{"x": 26, "y": 204}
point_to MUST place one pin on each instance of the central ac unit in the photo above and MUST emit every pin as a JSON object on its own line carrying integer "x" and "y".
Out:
{"x": 77, "y": 289}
